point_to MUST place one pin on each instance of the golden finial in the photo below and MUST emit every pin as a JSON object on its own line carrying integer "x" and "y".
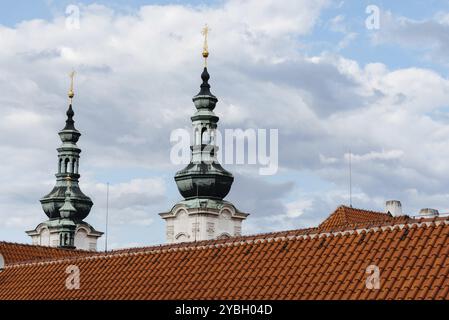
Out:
{"x": 71, "y": 92}
{"x": 205, "y": 33}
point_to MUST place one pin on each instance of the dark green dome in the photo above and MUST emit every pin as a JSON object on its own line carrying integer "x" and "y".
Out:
{"x": 52, "y": 202}
{"x": 204, "y": 180}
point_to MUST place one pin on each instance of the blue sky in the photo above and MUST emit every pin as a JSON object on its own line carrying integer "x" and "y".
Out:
{"x": 16, "y": 11}
{"x": 308, "y": 68}
{"x": 362, "y": 49}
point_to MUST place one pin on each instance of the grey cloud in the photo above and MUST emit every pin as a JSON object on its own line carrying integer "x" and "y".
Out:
{"x": 142, "y": 199}
{"x": 95, "y": 69}
{"x": 321, "y": 85}
{"x": 430, "y": 36}
{"x": 34, "y": 56}
{"x": 258, "y": 196}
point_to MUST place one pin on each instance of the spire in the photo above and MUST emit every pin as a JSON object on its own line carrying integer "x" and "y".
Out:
{"x": 66, "y": 205}
{"x": 68, "y": 166}
{"x": 205, "y": 99}
{"x": 204, "y": 177}
{"x": 70, "y": 123}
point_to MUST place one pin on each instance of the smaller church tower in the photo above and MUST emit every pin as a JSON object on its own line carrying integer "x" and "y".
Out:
{"x": 66, "y": 205}
{"x": 203, "y": 214}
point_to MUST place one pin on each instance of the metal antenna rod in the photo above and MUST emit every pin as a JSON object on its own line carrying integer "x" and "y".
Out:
{"x": 107, "y": 218}
{"x": 350, "y": 179}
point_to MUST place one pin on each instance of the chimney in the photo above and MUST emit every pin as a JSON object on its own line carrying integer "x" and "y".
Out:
{"x": 429, "y": 212}
{"x": 394, "y": 207}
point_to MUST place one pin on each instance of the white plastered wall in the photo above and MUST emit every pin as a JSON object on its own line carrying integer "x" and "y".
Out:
{"x": 198, "y": 226}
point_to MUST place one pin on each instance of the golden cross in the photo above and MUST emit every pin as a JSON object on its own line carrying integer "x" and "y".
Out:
{"x": 205, "y": 33}
{"x": 71, "y": 92}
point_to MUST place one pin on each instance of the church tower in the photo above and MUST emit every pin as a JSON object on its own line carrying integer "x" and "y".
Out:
{"x": 204, "y": 183}
{"x": 66, "y": 205}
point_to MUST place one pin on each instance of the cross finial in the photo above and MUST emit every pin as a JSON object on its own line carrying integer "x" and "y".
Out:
{"x": 205, "y": 33}
{"x": 71, "y": 92}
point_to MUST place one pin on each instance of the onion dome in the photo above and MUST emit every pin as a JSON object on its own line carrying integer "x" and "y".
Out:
{"x": 201, "y": 180}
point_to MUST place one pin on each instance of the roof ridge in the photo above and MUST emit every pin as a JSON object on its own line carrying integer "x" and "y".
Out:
{"x": 240, "y": 240}
{"x": 360, "y": 209}
{"x": 232, "y": 239}
{"x": 173, "y": 246}
{"x": 40, "y": 246}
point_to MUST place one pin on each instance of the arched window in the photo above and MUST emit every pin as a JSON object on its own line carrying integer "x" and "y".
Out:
{"x": 224, "y": 235}
{"x": 197, "y": 137}
{"x": 181, "y": 237}
{"x": 66, "y": 165}
{"x": 60, "y": 166}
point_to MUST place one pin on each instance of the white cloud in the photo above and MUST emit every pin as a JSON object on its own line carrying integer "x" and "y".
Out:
{"x": 336, "y": 24}
{"x": 374, "y": 155}
{"x": 327, "y": 160}
{"x": 347, "y": 39}
{"x": 296, "y": 208}
{"x": 135, "y": 192}
{"x": 442, "y": 17}
{"x": 273, "y": 18}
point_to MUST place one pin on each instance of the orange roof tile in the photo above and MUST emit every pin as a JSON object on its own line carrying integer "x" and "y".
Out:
{"x": 15, "y": 252}
{"x": 347, "y": 217}
{"x": 317, "y": 263}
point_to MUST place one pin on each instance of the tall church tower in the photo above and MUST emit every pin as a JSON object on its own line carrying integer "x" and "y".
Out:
{"x": 66, "y": 205}
{"x": 203, "y": 214}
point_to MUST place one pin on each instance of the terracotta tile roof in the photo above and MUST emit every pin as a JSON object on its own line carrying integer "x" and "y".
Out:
{"x": 14, "y": 252}
{"x": 412, "y": 257}
{"x": 347, "y": 217}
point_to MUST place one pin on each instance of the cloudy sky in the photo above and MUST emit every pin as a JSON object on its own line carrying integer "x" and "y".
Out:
{"x": 311, "y": 69}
